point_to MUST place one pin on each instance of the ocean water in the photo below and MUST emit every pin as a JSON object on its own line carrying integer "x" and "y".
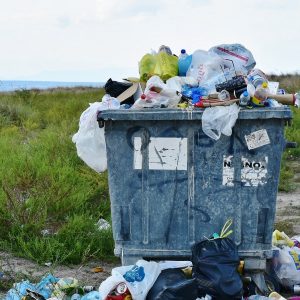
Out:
{"x": 13, "y": 85}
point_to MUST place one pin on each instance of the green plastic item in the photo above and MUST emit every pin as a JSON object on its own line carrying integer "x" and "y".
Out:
{"x": 161, "y": 64}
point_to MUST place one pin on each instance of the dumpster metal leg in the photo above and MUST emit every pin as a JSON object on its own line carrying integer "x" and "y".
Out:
{"x": 259, "y": 280}
{"x": 256, "y": 268}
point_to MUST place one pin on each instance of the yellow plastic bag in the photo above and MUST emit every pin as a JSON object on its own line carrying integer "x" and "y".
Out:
{"x": 280, "y": 238}
{"x": 162, "y": 64}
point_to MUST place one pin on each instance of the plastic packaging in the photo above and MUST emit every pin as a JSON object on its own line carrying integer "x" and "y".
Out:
{"x": 215, "y": 265}
{"x": 138, "y": 278}
{"x": 157, "y": 95}
{"x": 257, "y": 77}
{"x": 280, "y": 238}
{"x": 172, "y": 284}
{"x": 224, "y": 95}
{"x": 287, "y": 266}
{"x": 245, "y": 99}
{"x": 206, "y": 69}
{"x": 94, "y": 295}
{"x": 239, "y": 59}
{"x": 90, "y": 140}
{"x": 161, "y": 64}
{"x": 260, "y": 94}
{"x": 184, "y": 62}
{"x": 218, "y": 120}
{"x": 276, "y": 296}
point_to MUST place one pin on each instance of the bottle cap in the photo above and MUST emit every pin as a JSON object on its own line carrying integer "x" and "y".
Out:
{"x": 265, "y": 85}
{"x": 143, "y": 96}
{"x": 183, "y": 51}
{"x": 246, "y": 94}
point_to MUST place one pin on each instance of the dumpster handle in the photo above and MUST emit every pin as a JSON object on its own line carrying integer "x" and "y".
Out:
{"x": 101, "y": 122}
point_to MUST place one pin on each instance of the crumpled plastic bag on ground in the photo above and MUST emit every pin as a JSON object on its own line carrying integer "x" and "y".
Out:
{"x": 139, "y": 278}
{"x": 90, "y": 140}
{"x": 45, "y": 288}
{"x": 219, "y": 119}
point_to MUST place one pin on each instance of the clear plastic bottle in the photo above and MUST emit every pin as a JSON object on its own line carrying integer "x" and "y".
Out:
{"x": 245, "y": 98}
{"x": 261, "y": 94}
{"x": 257, "y": 77}
{"x": 184, "y": 62}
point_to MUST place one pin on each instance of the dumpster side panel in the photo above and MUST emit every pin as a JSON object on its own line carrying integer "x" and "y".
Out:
{"x": 171, "y": 185}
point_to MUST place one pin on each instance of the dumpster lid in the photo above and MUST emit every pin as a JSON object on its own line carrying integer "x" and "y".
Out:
{"x": 283, "y": 112}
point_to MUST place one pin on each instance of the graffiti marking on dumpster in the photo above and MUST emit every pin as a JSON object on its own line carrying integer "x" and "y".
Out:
{"x": 163, "y": 154}
{"x": 228, "y": 171}
{"x": 254, "y": 173}
{"x": 257, "y": 139}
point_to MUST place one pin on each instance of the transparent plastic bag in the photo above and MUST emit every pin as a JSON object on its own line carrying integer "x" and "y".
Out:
{"x": 206, "y": 68}
{"x": 219, "y": 119}
{"x": 288, "y": 268}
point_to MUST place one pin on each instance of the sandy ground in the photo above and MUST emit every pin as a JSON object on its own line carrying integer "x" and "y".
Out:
{"x": 288, "y": 213}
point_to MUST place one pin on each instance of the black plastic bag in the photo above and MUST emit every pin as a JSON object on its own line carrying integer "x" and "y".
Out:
{"x": 116, "y": 88}
{"x": 215, "y": 265}
{"x": 172, "y": 284}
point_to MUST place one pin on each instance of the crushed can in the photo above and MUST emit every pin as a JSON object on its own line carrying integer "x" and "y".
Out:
{"x": 121, "y": 292}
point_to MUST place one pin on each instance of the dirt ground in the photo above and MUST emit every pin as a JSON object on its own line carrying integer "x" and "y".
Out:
{"x": 288, "y": 216}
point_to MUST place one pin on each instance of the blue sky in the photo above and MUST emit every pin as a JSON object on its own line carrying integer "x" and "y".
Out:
{"x": 92, "y": 40}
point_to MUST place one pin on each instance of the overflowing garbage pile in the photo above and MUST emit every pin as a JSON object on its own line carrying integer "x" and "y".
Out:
{"x": 220, "y": 82}
{"x": 215, "y": 272}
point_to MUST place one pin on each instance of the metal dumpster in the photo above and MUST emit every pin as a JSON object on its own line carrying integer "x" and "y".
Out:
{"x": 171, "y": 185}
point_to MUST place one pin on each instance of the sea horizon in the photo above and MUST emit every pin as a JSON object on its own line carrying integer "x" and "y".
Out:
{"x": 14, "y": 85}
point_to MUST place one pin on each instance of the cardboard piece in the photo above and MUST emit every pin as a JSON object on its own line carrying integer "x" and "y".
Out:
{"x": 135, "y": 90}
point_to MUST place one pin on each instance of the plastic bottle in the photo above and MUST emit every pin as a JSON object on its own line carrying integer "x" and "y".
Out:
{"x": 184, "y": 62}
{"x": 260, "y": 94}
{"x": 257, "y": 77}
{"x": 224, "y": 95}
{"x": 245, "y": 98}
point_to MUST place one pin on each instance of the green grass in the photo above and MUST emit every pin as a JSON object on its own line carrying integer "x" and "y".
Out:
{"x": 44, "y": 185}
{"x": 291, "y": 83}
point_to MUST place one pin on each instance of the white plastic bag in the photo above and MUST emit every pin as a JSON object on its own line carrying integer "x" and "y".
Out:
{"x": 219, "y": 119}
{"x": 241, "y": 57}
{"x": 206, "y": 68}
{"x": 156, "y": 95}
{"x": 288, "y": 270}
{"x": 176, "y": 83}
{"x": 90, "y": 140}
{"x": 138, "y": 278}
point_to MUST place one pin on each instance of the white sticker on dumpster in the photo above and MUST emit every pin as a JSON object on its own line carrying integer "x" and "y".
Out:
{"x": 137, "y": 155}
{"x": 254, "y": 173}
{"x": 228, "y": 171}
{"x": 168, "y": 154}
{"x": 257, "y": 139}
